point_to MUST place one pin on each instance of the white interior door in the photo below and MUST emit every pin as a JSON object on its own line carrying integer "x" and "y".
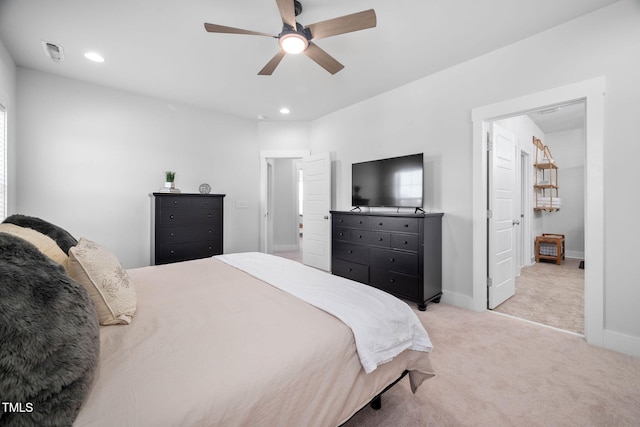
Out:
{"x": 316, "y": 205}
{"x": 502, "y": 221}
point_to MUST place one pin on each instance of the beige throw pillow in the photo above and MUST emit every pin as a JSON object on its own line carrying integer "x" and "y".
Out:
{"x": 44, "y": 243}
{"x": 100, "y": 272}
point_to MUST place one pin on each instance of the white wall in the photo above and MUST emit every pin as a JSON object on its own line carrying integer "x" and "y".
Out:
{"x": 88, "y": 157}
{"x": 433, "y": 115}
{"x": 568, "y": 150}
{"x": 8, "y": 83}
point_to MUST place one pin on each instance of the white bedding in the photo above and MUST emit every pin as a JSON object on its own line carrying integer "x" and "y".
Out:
{"x": 359, "y": 307}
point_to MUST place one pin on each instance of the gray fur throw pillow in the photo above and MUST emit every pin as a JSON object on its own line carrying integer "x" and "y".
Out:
{"x": 62, "y": 237}
{"x": 49, "y": 338}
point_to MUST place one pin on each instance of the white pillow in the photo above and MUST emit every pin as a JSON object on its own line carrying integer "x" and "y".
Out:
{"x": 107, "y": 282}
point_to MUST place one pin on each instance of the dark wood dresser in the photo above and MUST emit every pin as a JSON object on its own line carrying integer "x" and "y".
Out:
{"x": 185, "y": 226}
{"x": 398, "y": 253}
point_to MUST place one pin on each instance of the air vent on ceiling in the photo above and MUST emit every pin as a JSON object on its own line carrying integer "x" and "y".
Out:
{"x": 53, "y": 51}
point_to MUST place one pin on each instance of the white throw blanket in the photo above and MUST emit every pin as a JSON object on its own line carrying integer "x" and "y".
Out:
{"x": 383, "y": 325}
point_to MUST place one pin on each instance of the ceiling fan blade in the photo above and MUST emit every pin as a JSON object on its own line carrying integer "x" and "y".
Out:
{"x": 214, "y": 28}
{"x": 287, "y": 12}
{"x": 323, "y": 59}
{"x": 268, "y": 69}
{"x": 344, "y": 24}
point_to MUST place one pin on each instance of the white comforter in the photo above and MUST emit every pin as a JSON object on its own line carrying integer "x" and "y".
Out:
{"x": 357, "y": 305}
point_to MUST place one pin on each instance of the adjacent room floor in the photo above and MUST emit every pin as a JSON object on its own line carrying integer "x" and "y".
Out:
{"x": 549, "y": 294}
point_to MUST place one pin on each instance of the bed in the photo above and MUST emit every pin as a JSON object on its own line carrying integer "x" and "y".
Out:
{"x": 212, "y": 343}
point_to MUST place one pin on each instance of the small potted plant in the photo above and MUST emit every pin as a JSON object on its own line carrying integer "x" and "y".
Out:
{"x": 169, "y": 179}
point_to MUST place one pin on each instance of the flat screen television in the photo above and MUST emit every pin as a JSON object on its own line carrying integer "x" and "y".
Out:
{"x": 393, "y": 182}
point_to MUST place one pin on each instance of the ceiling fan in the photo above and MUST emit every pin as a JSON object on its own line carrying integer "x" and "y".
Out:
{"x": 296, "y": 38}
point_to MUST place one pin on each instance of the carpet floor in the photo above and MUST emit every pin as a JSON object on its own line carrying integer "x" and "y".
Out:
{"x": 549, "y": 294}
{"x": 493, "y": 370}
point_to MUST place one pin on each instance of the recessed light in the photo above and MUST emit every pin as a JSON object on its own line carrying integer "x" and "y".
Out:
{"x": 93, "y": 56}
{"x": 284, "y": 110}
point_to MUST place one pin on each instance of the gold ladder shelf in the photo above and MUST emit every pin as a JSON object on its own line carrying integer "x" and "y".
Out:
{"x": 546, "y": 184}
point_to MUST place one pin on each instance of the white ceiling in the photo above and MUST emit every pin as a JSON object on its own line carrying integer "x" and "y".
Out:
{"x": 160, "y": 48}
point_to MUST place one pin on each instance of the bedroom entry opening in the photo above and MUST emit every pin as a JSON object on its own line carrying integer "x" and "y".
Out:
{"x": 295, "y": 202}
{"x": 591, "y": 93}
{"x": 526, "y": 285}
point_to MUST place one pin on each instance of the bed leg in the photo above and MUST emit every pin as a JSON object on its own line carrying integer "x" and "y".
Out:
{"x": 376, "y": 403}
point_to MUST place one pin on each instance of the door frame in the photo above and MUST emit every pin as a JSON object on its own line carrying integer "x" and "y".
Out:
{"x": 592, "y": 92}
{"x": 265, "y": 155}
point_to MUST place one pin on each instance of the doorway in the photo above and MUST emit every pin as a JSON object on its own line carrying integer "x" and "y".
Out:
{"x": 317, "y": 203}
{"x": 279, "y": 180}
{"x": 549, "y": 293}
{"x": 592, "y": 93}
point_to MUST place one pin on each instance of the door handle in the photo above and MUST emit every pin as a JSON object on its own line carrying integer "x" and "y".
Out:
{"x": 515, "y": 222}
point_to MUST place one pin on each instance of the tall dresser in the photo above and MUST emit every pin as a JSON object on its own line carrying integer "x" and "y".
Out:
{"x": 185, "y": 226}
{"x": 398, "y": 253}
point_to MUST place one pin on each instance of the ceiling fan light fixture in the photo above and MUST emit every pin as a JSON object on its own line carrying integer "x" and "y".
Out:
{"x": 293, "y": 43}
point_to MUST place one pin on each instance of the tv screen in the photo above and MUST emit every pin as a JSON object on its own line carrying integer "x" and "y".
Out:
{"x": 393, "y": 182}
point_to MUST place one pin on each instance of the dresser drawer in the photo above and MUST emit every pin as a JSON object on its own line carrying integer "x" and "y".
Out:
{"x": 396, "y": 283}
{"x": 350, "y": 270}
{"x": 207, "y": 202}
{"x": 172, "y": 217}
{"x": 173, "y": 252}
{"x": 403, "y": 262}
{"x": 351, "y": 221}
{"x": 379, "y": 238}
{"x": 351, "y": 252}
{"x": 340, "y": 233}
{"x": 407, "y": 242}
{"x": 405, "y": 225}
{"x": 174, "y": 202}
{"x": 187, "y": 233}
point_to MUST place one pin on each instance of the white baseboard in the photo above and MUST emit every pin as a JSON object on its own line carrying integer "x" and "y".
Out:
{"x": 574, "y": 254}
{"x": 622, "y": 343}
{"x": 459, "y": 300}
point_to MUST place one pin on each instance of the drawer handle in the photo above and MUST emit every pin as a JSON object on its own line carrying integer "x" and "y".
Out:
{"x": 350, "y": 251}
{"x": 171, "y": 216}
{"x": 175, "y": 202}
{"x": 359, "y": 222}
{"x": 406, "y": 243}
{"x": 340, "y": 220}
{"x": 380, "y": 239}
{"x": 171, "y": 252}
{"x": 392, "y": 260}
{"x": 209, "y": 215}
{"x": 380, "y": 224}
{"x": 350, "y": 269}
{"x": 341, "y": 234}
{"x": 172, "y": 234}
{"x": 210, "y": 231}
{"x": 392, "y": 280}
{"x": 406, "y": 225}
{"x": 209, "y": 247}
{"x": 360, "y": 237}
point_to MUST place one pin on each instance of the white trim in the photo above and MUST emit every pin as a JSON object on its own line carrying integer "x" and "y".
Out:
{"x": 264, "y": 155}
{"x": 622, "y": 343}
{"x": 592, "y": 91}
